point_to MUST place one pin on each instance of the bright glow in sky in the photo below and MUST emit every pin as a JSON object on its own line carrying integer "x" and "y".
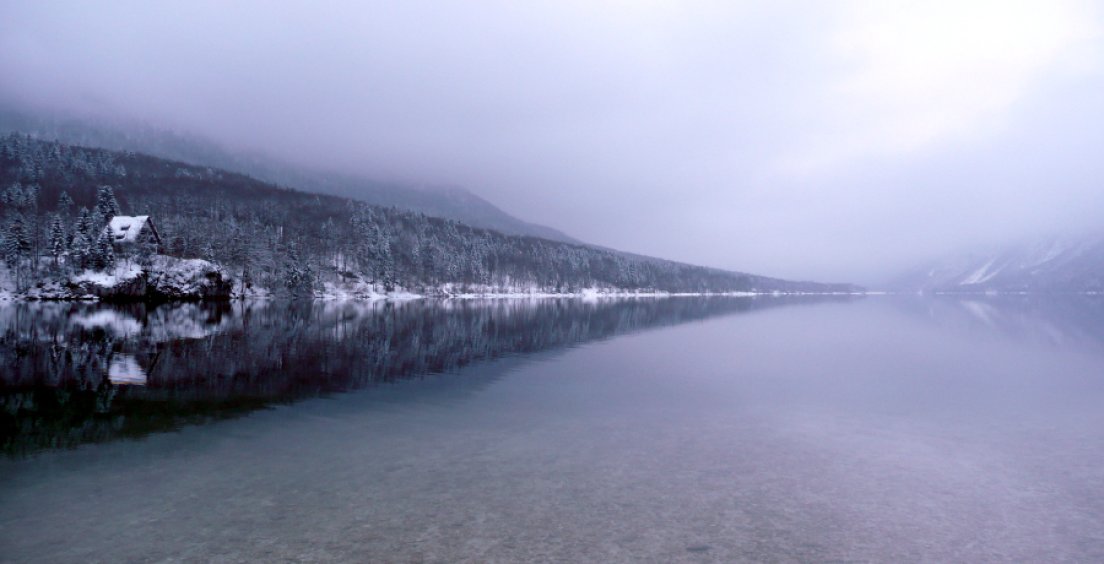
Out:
{"x": 925, "y": 71}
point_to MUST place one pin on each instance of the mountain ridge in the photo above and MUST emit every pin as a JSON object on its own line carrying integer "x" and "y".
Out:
{"x": 1068, "y": 263}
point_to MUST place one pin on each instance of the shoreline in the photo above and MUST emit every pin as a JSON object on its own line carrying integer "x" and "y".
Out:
{"x": 409, "y": 296}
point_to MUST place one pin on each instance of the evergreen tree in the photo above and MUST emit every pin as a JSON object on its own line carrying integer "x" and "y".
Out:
{"x": 380, "y": 257}
{"x": 106, "y": 205}
{"x": 17, "y": 245}
{"x": 83, "y": 227}
{"x": 298, "y": 275}
{"x": 208, "y": 252}
{"x": 30, "y": 197}
{"x": 240, "y": 252}
{"x": 13, "y": 196}
{"x": 103, "y": 253}
{"x": 18, "y": 240}
{"x": 57, "y": 238}
{"x": 80, "y": 251}
{"x": 64, "y": 205}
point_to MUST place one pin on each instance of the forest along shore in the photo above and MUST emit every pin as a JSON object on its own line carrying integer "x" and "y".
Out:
{"x": 86, "y": 223}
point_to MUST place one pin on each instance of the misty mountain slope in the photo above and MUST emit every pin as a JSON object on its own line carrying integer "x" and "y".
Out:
{"x": 451, "y": 202}
{"x": 1054, "y": 264}
{"x": 288, "y": 241}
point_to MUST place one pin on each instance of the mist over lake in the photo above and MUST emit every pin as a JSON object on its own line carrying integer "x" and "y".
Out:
{"x": 678, "y": 429}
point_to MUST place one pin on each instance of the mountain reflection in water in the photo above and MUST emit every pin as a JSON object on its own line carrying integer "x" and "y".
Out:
{"x": 79, "y": 373}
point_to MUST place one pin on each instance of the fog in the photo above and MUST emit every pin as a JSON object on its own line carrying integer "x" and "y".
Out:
{"x": 796, "y": 139}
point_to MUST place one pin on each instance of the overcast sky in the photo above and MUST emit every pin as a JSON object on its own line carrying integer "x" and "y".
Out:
{"x": 829, "y": 140}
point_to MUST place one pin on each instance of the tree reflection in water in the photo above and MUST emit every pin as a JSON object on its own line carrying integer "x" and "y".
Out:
{"x": 79, "y": 373}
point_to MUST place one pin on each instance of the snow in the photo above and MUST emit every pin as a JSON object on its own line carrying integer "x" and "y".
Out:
{"x": 125, "y": 228}
{"x": 981, "y": 275}
{"x": 1057, "y": 249}
{"x": 198, "y": 279}
{"x": 366, "y": 291}
{"x": 110, "y": 279}
{"x": 183, "y": 277}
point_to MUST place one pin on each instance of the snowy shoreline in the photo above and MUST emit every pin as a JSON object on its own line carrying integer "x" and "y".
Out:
{"x": 170, "y": 279}
{"x": 410, "y": 296}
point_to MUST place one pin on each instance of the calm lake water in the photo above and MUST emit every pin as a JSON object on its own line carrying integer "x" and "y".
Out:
{"x": 680, "y": 429}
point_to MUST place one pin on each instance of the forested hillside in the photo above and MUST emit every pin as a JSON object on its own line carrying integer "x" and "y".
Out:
{"x": 55, "y": 198}
{"x": 451, "y": 202}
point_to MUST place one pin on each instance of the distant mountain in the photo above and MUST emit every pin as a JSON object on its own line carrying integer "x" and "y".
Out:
{"x": 450, "y": 202}
{"x": 1055, "y": 264}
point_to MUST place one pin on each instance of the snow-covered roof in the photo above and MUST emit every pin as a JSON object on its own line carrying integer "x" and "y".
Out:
{"x": 125, "y": 228}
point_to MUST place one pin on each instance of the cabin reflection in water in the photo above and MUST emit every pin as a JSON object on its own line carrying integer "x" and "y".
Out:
{"x": 125, "y": 371}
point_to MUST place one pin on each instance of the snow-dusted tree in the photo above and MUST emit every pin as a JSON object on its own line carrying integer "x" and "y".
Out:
{"x": 64, "y": 205}
{"x": 57, "y": 238}
{"x": 12, "y": 195}
{"x": 241, "y": 251}
{"x": 83, "y": 227}
{"x": 382, "y": 260}
{"x": 208, "y": 252}
{"x": 298, "y": 274}
{"x": 106, "y": 205}
{"x": 17, "y": 246}
{"x": 80, "y": 251}
{"x": 18, "y": 241}
{"x": 30, "y": 197}
{"x": 103, "y": 253}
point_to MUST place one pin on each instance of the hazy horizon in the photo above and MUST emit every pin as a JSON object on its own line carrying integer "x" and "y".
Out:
{"x": 794, "y": 139}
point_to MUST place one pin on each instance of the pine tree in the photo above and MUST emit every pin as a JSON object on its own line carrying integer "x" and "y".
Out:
{"x": 17, "y": 245}
{"x": 208, "y": 252}
{"x": 18, "y": 240}
{"x": 83, "y": 227}
{"x": 30, "y": 196}
{"x": 107, "y": 206}
{"x": 64, "y": 205}
{"x": 240, "y": 252}
{"x": 298, "y": 275}
{"x": 81, "y": 251}
{"x": 13, "y": 196}
{"x": 57, "y": 238}
{"x": 103, "y": 254}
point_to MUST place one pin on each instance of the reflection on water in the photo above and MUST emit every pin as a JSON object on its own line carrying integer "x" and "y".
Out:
{"x": 1060, "y": 320}
{"x": 124, "y": 370}
{"x": 79, "y": 373}
{"x": 882, "y": 429}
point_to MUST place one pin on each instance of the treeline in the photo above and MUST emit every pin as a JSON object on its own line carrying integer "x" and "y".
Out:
{"x": 295, "y": 242}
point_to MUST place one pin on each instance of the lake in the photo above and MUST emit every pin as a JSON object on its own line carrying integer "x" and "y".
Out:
{"x": 886, "y": 428}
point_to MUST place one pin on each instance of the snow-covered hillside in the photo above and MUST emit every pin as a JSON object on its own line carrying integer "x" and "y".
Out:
{"x": 1054, "y": 264}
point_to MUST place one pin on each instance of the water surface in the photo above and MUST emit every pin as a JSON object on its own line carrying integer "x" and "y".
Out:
{"x": 728, "y": 429}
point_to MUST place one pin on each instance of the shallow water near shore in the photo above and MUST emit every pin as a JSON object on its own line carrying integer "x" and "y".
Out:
{"x": 678, "y": 429}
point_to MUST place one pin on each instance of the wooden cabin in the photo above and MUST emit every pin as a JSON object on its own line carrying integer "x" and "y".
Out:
{"x": 127, "y": 232}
